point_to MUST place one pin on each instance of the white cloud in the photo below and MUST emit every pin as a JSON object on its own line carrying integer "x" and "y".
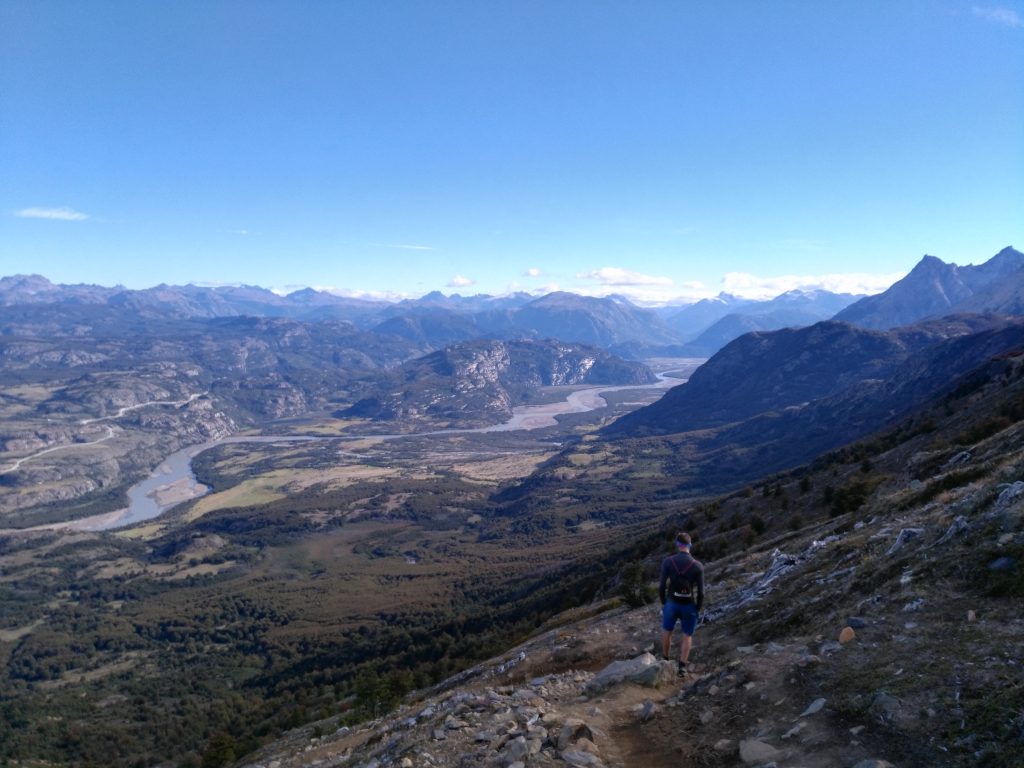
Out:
{"x": 532, "y": 272}
{"x": 54, "y": 214}
{"x": 349, "y": 293}
{"x": 999, "y": 15}
{"x": 460, "y": 282}
{"x": 544, "y": 289}
{"x": 615, "y": 276}
{"x": 756, "y": 287}
{"x": 649, "y": 295}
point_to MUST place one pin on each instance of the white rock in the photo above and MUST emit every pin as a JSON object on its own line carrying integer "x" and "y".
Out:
{"x": 793, "y": 731}
{"x": 579, "y": 757}
{"x": 755, "y": 752}
{"x": 644, "y": 670}
{"x": 815, "y": 706}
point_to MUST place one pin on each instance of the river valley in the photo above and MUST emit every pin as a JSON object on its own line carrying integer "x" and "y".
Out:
{"x": 174, "y": 482}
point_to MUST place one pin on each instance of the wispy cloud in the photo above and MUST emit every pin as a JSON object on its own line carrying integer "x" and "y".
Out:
{"x": 53, "y": 214}
{"x": 460, "y": 282}
{"x": 615, "y": 276}
{"x": 532, "y": 272}
{"x": 756, "y": 287}
{"x": 999, "y": 15}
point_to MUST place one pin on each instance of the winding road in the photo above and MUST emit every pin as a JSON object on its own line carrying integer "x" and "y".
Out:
{"x": 66, "y": 446}
{"x": 110, "y": 431}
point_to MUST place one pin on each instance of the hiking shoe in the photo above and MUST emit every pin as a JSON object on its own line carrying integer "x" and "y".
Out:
{"x": 681, "y": 669}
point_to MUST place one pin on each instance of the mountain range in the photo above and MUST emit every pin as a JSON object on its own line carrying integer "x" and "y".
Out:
{"x": 933, "y": 288}
{"x": 836, "y": 478}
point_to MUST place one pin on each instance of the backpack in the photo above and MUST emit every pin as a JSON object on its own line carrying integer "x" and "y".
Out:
{"x": 681, "y": 588}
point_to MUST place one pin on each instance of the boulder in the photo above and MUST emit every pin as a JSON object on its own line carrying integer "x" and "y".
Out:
{"x": 648, "y": 711}
{"x": 643, "y": 670}
{"x": 815, "y": 707}
{"x": 755, "y": 752}
{"x": 905, "y": 535}
{"x": 1010, "y": 493}
{"x": 581, "y": 758}
{"x": 516, "y": 750}
{"x": 884, "y": 706}
{"x": 1002, "y": 564}
{"x": 572, "y": 731}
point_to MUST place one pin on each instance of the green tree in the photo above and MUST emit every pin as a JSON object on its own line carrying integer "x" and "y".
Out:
{"x": 220, "y": 750}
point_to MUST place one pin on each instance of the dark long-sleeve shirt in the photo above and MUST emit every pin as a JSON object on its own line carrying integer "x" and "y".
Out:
{"x": 686, "y": 568}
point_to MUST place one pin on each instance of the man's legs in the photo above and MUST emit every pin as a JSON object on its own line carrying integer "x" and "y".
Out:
{"x": 685, "y": 644}
{"x": 666, "y": 643}
{"x": 688, "y": 622}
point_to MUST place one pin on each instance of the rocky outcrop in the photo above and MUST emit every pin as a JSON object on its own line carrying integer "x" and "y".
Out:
{"x": 480, "y": 382}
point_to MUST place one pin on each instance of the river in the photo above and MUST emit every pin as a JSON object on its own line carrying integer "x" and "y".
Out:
{"x": 174, "y": 482}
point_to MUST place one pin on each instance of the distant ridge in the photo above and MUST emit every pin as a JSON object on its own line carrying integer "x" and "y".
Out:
{"x": 772, "y": 371}
{"x": 793, "y": 309}
{"x": 934, "y": 288}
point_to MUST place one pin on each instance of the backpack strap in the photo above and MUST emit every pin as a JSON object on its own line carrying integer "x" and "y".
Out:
{"x": 689, "y": 565}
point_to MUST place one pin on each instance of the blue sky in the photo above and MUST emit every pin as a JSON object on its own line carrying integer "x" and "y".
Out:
{"x": 655, "y": 149}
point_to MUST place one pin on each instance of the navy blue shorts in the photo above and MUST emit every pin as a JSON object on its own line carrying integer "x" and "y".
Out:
{"x": 686, "y": 615}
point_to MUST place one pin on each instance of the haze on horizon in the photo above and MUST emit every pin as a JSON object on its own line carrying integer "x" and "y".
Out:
{"x": 657, "y": 150}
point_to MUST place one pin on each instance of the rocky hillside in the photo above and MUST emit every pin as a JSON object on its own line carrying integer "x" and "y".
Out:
{"x": 774, "y": 371}
{"x": 478, "y": 383}
{"x": 934, "y": 288}
{"x": 89, "y": 403}
{"x": 844, "y": 629}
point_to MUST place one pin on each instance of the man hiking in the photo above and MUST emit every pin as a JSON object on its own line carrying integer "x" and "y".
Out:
{"x": 681, "y": 590}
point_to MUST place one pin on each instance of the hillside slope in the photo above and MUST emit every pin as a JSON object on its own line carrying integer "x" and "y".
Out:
{"x": 868, "y": 628}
